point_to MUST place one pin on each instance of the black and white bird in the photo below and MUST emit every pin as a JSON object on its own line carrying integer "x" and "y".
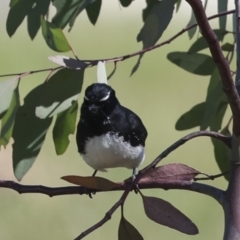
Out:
{"x": 108, "y": 134}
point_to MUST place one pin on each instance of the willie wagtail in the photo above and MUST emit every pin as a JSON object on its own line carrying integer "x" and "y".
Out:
{"x": 108, "y": 134}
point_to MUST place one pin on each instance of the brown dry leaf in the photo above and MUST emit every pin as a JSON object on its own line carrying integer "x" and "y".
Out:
{"x": 98, "y": 183}
{"x": 171, "y": 172}
{"x": 164, "y": 213}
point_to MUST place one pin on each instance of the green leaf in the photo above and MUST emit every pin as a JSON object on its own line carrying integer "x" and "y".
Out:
{"x": 18, "y": 10}
{"x": 157, "y": 15}
{"x": 222, "y": 156}
{"x": 156, "y": 22}
{"x": 201, "y": 43}
{"x": 197, "y": 63}
{"x": 136, "y": 66}
{"x": 93, "y": 11}
{"x": 222, "y": 7}
{"x": 29, "y": 133}
{"x": 125, "y": 3}
{"x": 59, "y": 92}
{"x": 13, "y": 2}
{"x": 68, "y": 10}
{"x": 54, "y": 37}
{"x": 65, "y": 11}
{"x": 178, "y": 5}
{"x": 216, "y": 123}
{"x": 228, "y": 47}
{"x": 193, "y": 30}
{"x": 234, "y": 23}
{"x": 214, "y": 99}
{"x": 192, "y": 118}
{"x": 6, "y": 92}
{"x": 80, "y": 8}
{"x": 34, "y": 16}
{"x": 63, "y": 127}
{"x": 9, "y": 118}
{"x": 126, "y": 231}
{"x": 221, "y": 151}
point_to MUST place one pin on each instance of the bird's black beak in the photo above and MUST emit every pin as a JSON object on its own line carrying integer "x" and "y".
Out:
{"x": 93, "y": 108}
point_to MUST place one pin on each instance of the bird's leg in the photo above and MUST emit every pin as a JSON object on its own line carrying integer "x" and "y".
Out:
{"x": 90, "y": 191}
{"x": 135, "y": 172}
{"x": 94, "y": 173}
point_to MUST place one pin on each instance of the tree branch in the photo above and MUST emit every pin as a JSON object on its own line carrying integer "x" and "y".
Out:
{"x": 221, "y": 62}
{"x": 128, "y": 186}
{"x": 213, "y": 192}
{"x": 221, "y": 137}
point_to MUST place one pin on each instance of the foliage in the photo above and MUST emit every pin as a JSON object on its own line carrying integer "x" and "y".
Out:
{"x": 55, "y": 100}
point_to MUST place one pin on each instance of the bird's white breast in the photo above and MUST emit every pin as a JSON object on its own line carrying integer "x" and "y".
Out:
{"x": 111, "y": 151}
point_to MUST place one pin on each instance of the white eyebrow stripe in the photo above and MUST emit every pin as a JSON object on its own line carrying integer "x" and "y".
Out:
{"x": 86, "y": 98}
{"x": 105, "y": 98}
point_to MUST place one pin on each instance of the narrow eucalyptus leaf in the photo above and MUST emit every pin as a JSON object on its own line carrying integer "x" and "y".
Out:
{"x": 29, "y": 133}
{"x": 126, "y": 231}
{"x": 193, "y": 30}
{"x": 156, "y": 22}
{"x": 34, "y": 16}
{"x": 9, "y": 119}
{"x": 178, "y": 5}
{"x": 201, "y": 43}
{"x": 93, "y": 11}
{"x": 214, "y": 99}
{"x": 222, "y": 7}
{"x": 6, "y": 92}
{"x": 18, "y": 11}
{"x": 64, "y": 126}
{"x": 222, "y": 156}
{"x": 59, "y": 92}
{"x": 65, "y": 10}
{"x": 197, "y": 63}
{"x": 125, "y": 3}
{"x": 228, "y": 47}
{"x": 54, "y": 37}
{"x": 191, "y": 118}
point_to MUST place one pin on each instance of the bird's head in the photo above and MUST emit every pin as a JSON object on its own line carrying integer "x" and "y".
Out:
{"x": 99, "y": 100}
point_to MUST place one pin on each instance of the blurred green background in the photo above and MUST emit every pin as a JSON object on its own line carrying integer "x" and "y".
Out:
{"x": 159, "y": 92}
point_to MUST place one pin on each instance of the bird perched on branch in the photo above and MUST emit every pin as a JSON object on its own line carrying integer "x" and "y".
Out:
{"x": 108, "y": 134}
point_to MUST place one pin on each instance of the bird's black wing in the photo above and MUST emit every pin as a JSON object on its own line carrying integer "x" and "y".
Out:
{"x": 130, "y": 126}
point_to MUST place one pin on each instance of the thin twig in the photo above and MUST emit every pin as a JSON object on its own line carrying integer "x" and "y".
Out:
{"x": 30, "y": 72}
{"x": 211, "y": 177}
{"x": 124, "y": 57}
{"x": 107, "y": 216}
{"x": 91, "y": 63}
{"x": 219, "y": 136}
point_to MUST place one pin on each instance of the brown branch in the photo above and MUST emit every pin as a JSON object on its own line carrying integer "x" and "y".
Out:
{"x": 22, "y": 74}
{"x": 123, "y": 186}
{"x": 128, "y": 186}
{"x": 51, "y": 192}
{"x": 90, "y": 63}
{"x": 221, "y": 62}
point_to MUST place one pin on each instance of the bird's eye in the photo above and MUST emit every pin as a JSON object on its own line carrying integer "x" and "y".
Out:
{"x": 105, "y": 98}
{"x": 85, "y": 98}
